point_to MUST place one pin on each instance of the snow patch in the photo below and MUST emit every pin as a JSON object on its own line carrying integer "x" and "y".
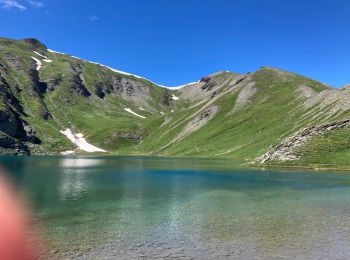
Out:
{"x": 80, "y": 141}
{"x": 132, "y": 112}
{"x": 40, "y": 55}
{"x": 161, "y": 112}
{"x": 79, "y": 135}
{"x": 141, "y": 108}
{"x": 174, "y": 97}
{"x": 38, "y": 63}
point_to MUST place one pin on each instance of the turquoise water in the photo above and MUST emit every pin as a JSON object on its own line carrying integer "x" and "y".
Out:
{"x": 143, "y": 208}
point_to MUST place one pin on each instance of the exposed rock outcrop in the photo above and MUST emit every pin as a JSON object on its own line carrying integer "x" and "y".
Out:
{"x": 126, "y": 88}
{"x": 244, "y": 95}
{"x": 36, "y": 44}
{"x": 99, "y": 90}
{"x": 167, "y": 98}
{"x": 209, "y": 83}
{"x": 76, "y": 82}
{"x": 14, "y": 132}
{"x": 285, "y": 151}
{"x": 198, "y": 121}
{"x": 10, "y": 146}
{"x": 132, "y": 135}
{"x": 333, "y": 100}
{"x": 7, "y": 96}
{"x": 15, "y": 127}
{"x": 52, "y": 84}
{"x": 34, "y": 87}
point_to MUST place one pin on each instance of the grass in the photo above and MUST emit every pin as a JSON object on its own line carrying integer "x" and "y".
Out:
{"x": 274, "y": 112}
{"x": 330, "y": 150}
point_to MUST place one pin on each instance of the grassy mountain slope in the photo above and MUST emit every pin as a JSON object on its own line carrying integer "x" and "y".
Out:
{"x": 222, "y": 115}
{"x": 325, "y": 146}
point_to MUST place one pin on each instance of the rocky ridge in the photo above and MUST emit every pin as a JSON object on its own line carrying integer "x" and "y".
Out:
{"x": 285, "y": 151}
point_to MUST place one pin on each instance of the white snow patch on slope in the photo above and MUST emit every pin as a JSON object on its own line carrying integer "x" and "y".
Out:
{"x": 40, "y": 55}
{"x": 132, "y": 112}
{"x": 80, "y": 141}
{"x": 123, "y": 72}
{"x": 174, "y": 97}
{"x": 161, "y": 112}
{"x": 79, "y": 135}
{"x": 44, "y": 57}
{"x": 141, "y": 108}
{"x": 38, "y": 63}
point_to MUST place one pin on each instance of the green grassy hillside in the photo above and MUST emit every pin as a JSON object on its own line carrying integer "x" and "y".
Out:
{"x": 222, "y": 115}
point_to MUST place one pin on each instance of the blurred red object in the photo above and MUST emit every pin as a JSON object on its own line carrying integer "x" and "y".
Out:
{"x": 14, "y": 231}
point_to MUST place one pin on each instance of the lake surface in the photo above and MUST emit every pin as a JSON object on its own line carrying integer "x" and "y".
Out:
{"x": 147, "y": 208}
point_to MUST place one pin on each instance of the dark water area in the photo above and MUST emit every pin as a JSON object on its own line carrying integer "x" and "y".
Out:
{"x": 167, "y": 208}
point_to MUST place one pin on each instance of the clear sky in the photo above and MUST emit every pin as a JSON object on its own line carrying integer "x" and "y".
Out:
{"x": 179, "y": 41}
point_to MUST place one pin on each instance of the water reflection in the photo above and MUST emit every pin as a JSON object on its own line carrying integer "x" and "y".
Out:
{"x": 80, "y": 162}
{"x": 73, "y": 184}
{"x": 74, "y": 179}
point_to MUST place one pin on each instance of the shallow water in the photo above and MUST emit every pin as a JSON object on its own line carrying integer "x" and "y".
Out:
{"x": 144, "y": 208}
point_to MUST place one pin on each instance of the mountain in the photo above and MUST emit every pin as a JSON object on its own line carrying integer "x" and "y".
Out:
{"x": 54, "y": 103}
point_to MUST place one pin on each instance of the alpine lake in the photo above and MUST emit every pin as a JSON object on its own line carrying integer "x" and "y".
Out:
{"x": 183, "y": 208}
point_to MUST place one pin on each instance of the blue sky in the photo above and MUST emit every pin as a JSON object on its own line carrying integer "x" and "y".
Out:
{"x": 174, "y": 42}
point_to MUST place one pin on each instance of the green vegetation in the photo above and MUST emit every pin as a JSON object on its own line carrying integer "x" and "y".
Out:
{"x": 255, "y": 111}
{"x": 330, "y": 150}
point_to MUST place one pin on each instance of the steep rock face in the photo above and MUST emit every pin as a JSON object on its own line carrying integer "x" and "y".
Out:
{"x": 76, "y": 81}
{"x": 167, "y": 98}
{"x": 17, "y": 132}
{"x": 19, "y": 78}
{"x": 10, "y": 146}
{"x": 209, "y": 83}
{"x": 53, "y": 83}
{"x": 126, "y": 88}
{"x": 7, "y": 96}
{"x": 37, "y": 87}
{"x": 31, "y": 84}
{"x": 9, "y": 124}
{"x": 12, "y": 125}
{"x": 99, "y": 90}
{"x": 285, "y": 151}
